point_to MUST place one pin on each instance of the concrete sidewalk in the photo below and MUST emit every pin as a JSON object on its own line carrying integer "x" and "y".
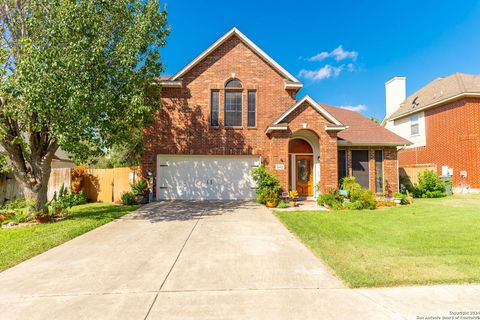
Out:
{"x": 203, "y": 260}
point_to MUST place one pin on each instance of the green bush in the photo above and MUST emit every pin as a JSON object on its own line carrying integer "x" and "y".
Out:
{"x": 349, "y": 184}
{"x": 17, "y": 217}
{"x": 364, "y": 199}
{"x": 429, "y": 186}
{"x": 359, "y": 198}
{"x": 128, "y": 198}
{"x": 79, "y": 198}
{"x": 268, "y": 186}
{"x": 61, "y": 202}
{"x": 282, "y": 205}
{"x": 140, "y": 187}
{"x": 19, "y": 204}
{"x": 357, "y": 205}
{"x": 331, "y": 199}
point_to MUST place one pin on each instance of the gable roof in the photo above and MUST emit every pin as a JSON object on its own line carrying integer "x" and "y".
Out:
{"x": 363, "y": 131}
{"x": 314, "y": 104}
{"x": 249, "y": 43}
{"x": 439, "y": 91}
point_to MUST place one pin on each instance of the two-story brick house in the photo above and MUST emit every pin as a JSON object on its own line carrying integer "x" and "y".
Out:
{"x": 442, "y": 120}
{"x": 233, "y": 108}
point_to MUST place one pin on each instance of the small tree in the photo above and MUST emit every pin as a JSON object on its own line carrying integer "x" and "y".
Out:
{"x": 268, "y": 186}
{"x": 75, "y": 75}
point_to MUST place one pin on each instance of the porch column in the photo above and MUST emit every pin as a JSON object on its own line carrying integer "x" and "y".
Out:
{"x": 278, "y": 162}
{"x": 328, "y": 161}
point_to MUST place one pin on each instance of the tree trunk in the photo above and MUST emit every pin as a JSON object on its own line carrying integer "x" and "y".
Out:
{"x": 38, "y": 193}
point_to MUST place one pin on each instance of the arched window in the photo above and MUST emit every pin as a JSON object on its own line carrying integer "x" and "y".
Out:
{"x": 233, "y": 103}
{"x": 233, "y": 84}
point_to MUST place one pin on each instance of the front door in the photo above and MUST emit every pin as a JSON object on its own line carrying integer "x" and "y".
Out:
{"x": 304, "y": 175}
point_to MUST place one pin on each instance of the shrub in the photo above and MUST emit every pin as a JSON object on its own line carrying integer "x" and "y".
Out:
{"x": 349, "y": 184}
{"x": 359, "y": 198}
{"x": 139, "y": 187}
{"x": 128, "y": 198}
{"x": 19, "y": 204}
{"x": 282, "y": 205}
{"x": 79, "y": 198}
{"x": 331, "y": 199}
{"x": 79, "y": 175}
{"x": 429, "y": 186}
{"x": 364, "y": 198}
{"x": 17, "y": 217}
{"x": 61, "y": 202}
{"x": 268, "y": 186}
{"x": 357, "y": 205}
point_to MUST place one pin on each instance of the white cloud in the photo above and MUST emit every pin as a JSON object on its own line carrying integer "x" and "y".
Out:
{"x": 357, "y": 108}
{"x": 325, "y": 72}
{"x": 338, "y": 53}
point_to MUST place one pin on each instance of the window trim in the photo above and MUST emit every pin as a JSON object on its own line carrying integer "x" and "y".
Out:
{"x": 383, "y": 170}
{"x": 414, "y": 123}
{"x": 225, "y": 104}
{"x": 218, "y": 111}
{"x": 248, "y": 111}
{"x": 233, "y": 88}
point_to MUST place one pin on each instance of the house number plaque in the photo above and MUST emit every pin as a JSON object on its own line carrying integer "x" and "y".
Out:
{"x": 279, "y": 166}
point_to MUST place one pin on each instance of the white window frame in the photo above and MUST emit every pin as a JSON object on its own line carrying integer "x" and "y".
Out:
{"x": 414, "y": 121}
{"x": 225, "y": 108}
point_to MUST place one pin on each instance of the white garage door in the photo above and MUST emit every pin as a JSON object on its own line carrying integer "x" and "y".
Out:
{"x": 205, "y": 177}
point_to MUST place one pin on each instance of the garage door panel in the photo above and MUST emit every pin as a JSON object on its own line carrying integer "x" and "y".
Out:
{"x": 205, "y": 177}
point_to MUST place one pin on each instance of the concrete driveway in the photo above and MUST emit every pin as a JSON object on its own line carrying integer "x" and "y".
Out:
{"x": 203, "y": 260}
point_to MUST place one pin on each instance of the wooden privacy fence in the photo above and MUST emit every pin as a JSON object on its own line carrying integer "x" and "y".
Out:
{"x": 10, "y": 188}
{"x": 411, "y": 172}
{"x": 107, "y": 185}
{"x": 59, "y": 177}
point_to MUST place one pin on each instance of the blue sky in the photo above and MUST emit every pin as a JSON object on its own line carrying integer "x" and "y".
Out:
{"x": 375, "y": 40}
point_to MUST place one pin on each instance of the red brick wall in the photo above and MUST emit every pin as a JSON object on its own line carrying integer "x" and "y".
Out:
{"x": 306, "y": 114}
{"x": 453, "y": 139}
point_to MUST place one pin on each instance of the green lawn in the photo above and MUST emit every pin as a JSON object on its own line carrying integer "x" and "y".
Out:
{"x": 433, "y": 241}
{"x": 19, "y": 244}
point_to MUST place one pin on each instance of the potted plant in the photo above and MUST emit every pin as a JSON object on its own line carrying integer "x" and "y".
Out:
{"x": 140, "y": 189}
{"x": 42, "y": 216}
{"x": 271, "y": 199}
{"x": 293, "y": 195}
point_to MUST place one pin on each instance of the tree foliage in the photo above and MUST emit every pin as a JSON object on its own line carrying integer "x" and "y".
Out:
{"x": 74, "y": 76}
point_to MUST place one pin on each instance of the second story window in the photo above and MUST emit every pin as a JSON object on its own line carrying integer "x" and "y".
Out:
{"x": 233, "y": 103}
{"x": 414, "y": 127}
{"x": 252, "y": 109}
{"x": 214, "y": 108}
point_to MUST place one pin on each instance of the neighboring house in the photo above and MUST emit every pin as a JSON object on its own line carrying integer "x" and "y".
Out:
{"x": 442, "y": 120}
{"x": 233, "y": 108}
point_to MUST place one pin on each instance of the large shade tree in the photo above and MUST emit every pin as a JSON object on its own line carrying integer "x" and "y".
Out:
{"x": 74, "y": 75}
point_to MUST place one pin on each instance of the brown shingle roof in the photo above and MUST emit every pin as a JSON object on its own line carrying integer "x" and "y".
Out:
{"x": 437, "y": 91}
{"x": 363, "y": 131}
